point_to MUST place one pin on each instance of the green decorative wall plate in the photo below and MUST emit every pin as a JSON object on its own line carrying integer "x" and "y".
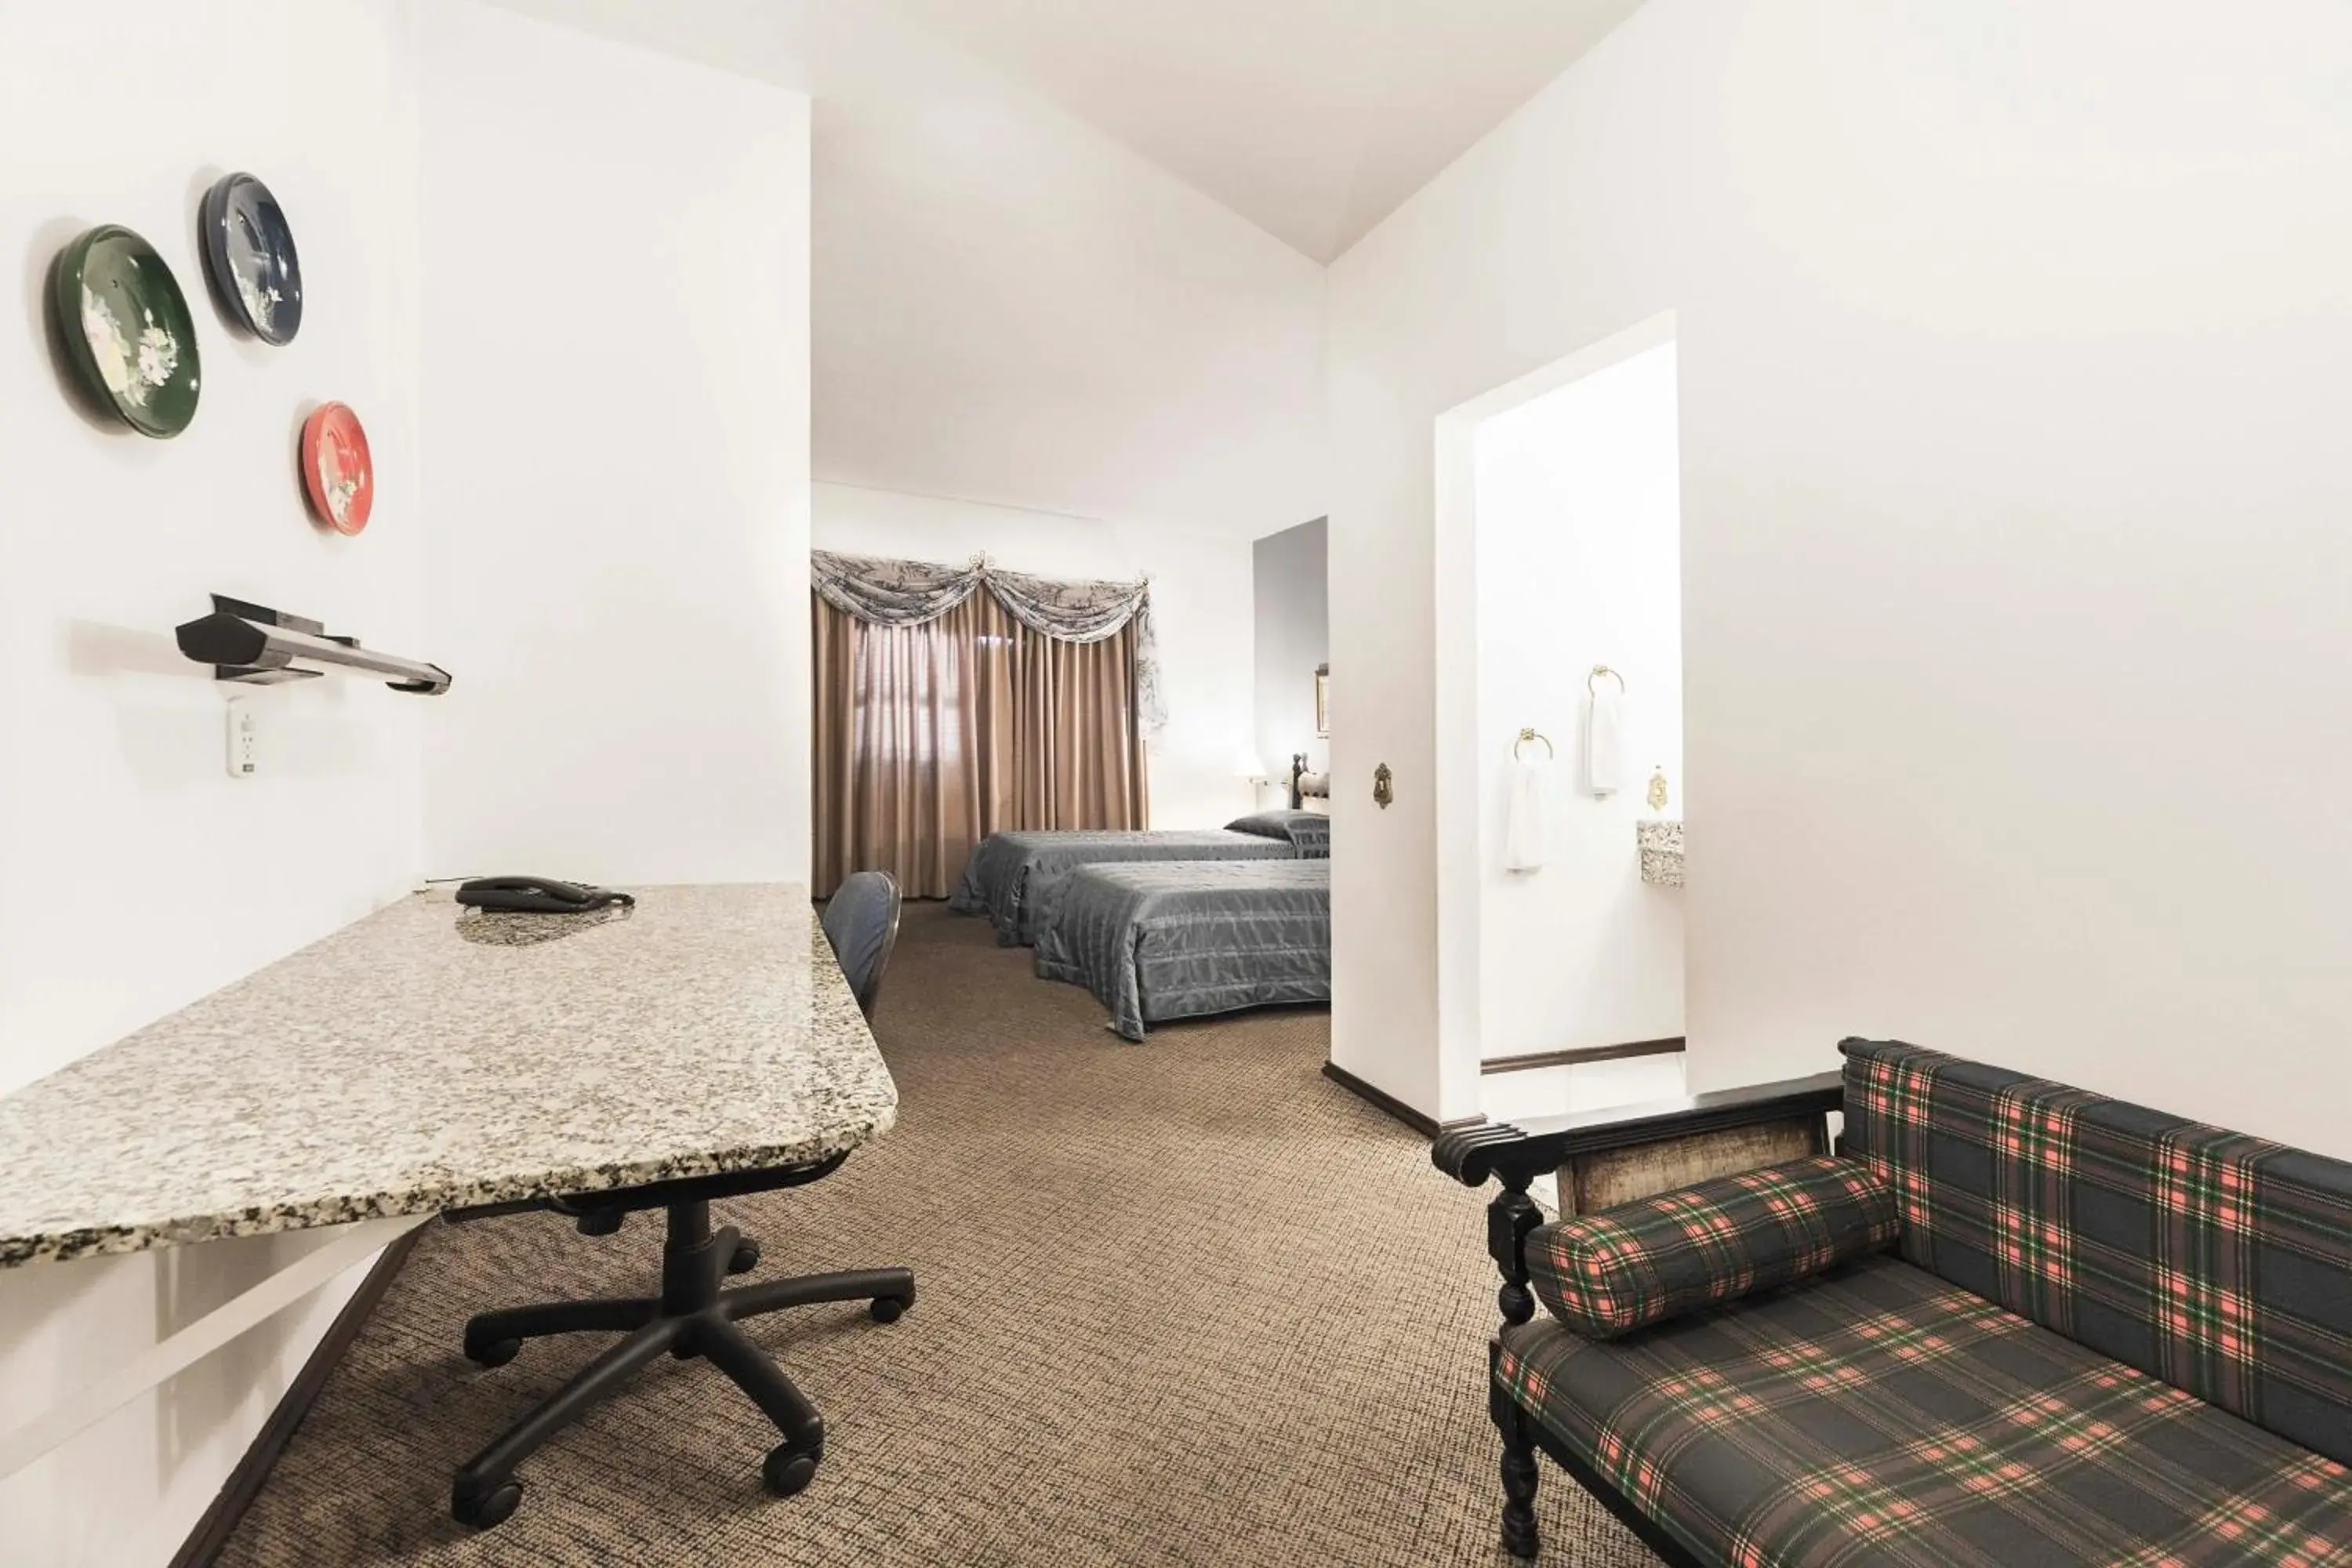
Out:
{"x": 128, "y": 330}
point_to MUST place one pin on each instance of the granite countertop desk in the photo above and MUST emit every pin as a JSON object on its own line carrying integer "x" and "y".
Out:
{"x": 418, "y": 1060}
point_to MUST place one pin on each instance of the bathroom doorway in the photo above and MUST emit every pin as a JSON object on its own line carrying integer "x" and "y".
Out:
{"x": 1561, "y": 722}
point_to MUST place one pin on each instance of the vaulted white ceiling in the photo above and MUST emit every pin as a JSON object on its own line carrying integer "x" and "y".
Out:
{"x": 1313, "y": 119}
{"x": 1067, "y": 252}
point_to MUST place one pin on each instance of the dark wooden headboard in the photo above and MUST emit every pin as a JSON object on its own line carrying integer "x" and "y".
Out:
{"x": 1306, "y": 786}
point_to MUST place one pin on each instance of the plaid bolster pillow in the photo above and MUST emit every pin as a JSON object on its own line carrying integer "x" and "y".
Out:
{"x": 1604, "y": 1274}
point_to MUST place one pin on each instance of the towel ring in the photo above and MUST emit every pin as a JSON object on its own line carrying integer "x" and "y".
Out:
{"x": 1526, "y": 735}
{"x": 1598, "y": 671}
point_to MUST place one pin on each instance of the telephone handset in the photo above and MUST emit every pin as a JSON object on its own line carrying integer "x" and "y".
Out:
{"x": 537, "y": 895}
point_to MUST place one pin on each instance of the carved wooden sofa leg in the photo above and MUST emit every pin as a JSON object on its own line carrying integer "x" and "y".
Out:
{"x": 1519, "y": 1535}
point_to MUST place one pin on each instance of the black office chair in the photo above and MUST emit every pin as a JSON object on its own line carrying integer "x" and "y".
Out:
{"x": 694, "y": 1315}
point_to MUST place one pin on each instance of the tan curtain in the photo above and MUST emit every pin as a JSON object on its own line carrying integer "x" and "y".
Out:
{"x": 931, "y": 737}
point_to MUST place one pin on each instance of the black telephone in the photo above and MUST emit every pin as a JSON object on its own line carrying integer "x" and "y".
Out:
{"x": 537, "y": 895}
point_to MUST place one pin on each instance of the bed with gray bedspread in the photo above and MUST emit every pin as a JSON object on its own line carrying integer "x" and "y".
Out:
{"x": 1161, "y": 940}
{"x": 1009, "y": 873}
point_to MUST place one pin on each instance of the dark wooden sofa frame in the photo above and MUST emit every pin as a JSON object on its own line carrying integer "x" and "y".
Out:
{"x": 1603, "y": 1158}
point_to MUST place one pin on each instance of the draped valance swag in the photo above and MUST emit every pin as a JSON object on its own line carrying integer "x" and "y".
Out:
{"x": 909, "y": 593}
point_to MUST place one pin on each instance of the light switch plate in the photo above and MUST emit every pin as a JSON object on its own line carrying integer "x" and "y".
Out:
{"x": 244, "y": 740}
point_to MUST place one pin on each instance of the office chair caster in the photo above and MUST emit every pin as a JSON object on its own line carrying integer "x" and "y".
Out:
{"x": 491, "y": 1353}
{"x": 484, "y": 1509}
{"x": 787, "y": 1469}
{"x": 890, "y": 1308}
{"x": 745, "y": 1258}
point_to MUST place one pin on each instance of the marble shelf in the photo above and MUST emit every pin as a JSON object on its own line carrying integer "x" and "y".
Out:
{"x": 1661, "y": 845}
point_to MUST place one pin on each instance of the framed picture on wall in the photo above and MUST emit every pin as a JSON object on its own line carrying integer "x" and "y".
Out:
{"x": 1323, "y": 700}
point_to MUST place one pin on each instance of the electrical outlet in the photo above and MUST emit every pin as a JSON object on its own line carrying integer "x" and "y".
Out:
{"x": 243, "y": 740}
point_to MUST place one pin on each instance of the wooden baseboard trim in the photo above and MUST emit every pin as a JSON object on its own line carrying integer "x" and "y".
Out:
{"x": 228, "y": 1506}
{"x": 1427, "y": 1126}
{"x": 1538, "y": 1059}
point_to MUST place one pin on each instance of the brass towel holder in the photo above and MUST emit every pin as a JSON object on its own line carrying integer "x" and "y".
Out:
{"x": 1598, "y": 671}
{"x": 1526, "y": 735}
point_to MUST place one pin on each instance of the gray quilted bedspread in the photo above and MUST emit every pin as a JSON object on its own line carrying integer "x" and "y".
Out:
{"x": 1009, "y": 873}
{"x": 1164, "y": 941}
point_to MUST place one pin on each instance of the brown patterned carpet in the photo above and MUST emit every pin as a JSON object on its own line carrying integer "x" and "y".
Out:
{"x": 1186, "y": 1303}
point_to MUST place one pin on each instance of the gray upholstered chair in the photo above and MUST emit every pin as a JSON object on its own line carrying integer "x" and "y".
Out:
{"x": 861, "y": 920}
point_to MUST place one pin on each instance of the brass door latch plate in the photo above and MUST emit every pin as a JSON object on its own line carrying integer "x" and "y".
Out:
{"x": 1383, "y": 786}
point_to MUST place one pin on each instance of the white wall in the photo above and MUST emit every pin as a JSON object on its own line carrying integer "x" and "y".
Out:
{"x": 1293, "y": 620}
{"x": 1011, "y": 307}
{"x": 139, "y": 875}
{"x": 2011, "y": 546}
{"x": 616, "y": 402}
{"x": 1576, "y": 553}
{"x": 610, "y": 460}
{"x": 1200, "y": 607}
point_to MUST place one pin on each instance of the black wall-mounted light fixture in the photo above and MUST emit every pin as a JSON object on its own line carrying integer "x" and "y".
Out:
{"x": 258, "y": 646}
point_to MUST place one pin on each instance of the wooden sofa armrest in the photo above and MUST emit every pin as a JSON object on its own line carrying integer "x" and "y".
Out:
{"x": 1472, "y": 1154}
{"x": 1624, "y": 1152}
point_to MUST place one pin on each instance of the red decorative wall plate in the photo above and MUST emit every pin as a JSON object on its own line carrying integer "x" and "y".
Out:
{"x": 335, "y": 469}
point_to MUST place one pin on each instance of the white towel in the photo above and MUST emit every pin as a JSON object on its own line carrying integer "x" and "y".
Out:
{"x": 1526, "y": 837}
{"x": 1608, "y": 742}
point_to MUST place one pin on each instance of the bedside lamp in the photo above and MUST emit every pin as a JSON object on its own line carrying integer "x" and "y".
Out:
{"x": 1251, "y": 767}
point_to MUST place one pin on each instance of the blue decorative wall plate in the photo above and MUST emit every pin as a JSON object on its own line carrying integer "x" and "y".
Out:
{"x": 250, "y": 259}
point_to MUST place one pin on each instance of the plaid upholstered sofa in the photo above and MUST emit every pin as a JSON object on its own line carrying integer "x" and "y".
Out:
{"x": 2007, "y": 1323}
